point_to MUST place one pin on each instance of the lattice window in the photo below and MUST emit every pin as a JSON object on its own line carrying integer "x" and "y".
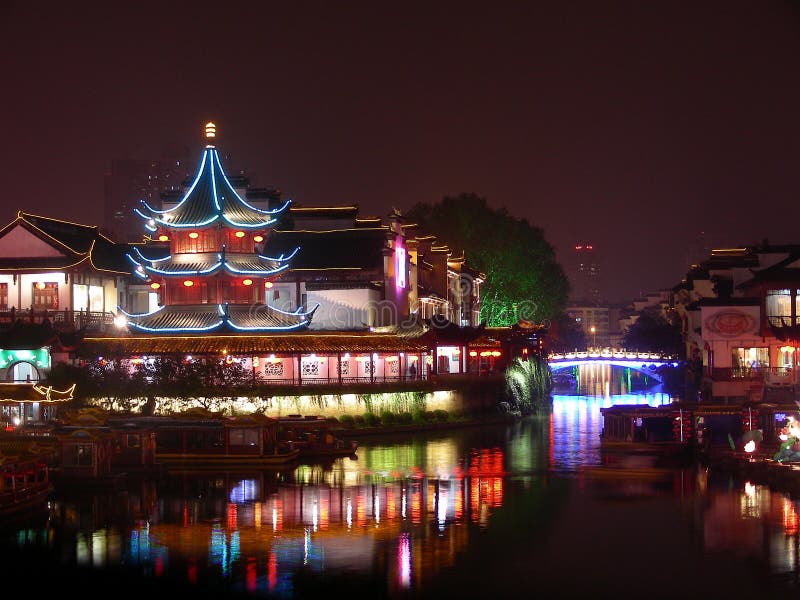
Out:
{"x": 310, "y": 369}
{"x": 394, "y": 367}
{"x": 274, "y": 369}
{"x": 345, "y": 367}
{"x": 369, "y": 367}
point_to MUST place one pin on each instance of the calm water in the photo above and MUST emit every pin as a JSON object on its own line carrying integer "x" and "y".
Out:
{"x": 490, "y": 512}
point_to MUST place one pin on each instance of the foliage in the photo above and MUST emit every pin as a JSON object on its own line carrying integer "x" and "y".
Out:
{"x": 528, "y": 383}
{"x": 653, "y": 333}
{"x": 523, "y": 279}
{"x": 441, "y": 415}
{"x": 371, "y": 420}
{"x": 346, "y": 420}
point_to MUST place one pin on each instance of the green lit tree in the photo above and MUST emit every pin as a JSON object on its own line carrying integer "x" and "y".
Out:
{"x": 523, "y": 279}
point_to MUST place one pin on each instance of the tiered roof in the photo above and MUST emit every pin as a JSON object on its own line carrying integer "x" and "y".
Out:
{"x": 212, "y": 201}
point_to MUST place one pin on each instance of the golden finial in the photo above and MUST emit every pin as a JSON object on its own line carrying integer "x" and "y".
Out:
{"x": 210, "y": 131}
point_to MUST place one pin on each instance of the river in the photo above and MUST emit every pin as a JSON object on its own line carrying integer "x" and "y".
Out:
{"x": 479, "y": 512}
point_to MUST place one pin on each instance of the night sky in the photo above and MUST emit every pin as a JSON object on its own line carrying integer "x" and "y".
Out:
{"x": 634, "y": 126}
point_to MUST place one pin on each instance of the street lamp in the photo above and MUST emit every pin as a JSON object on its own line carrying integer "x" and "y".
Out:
{"x": 593, "y": 331}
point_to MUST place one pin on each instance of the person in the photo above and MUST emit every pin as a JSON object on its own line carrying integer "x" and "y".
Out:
{"x": 412, "y": 370}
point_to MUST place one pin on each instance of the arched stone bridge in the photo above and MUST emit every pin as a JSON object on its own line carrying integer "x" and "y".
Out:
{"x": 646, "y": 362}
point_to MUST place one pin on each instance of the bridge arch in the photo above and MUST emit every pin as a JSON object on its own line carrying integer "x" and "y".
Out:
{"x": 646, "y": 363}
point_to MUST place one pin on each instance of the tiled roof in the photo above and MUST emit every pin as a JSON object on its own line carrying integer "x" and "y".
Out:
{"x": 306, "y": 342}
{"x": 81, "y": 245}
{"x": 358, "y": 248}
{"x": 210, "y": 198}
{"x": 211, "y": 262}
{"x": 213, "y": 317}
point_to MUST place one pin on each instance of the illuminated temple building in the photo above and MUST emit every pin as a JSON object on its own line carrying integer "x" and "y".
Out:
{"x": 211, "y": 277}
{"x": 295, "y": 295}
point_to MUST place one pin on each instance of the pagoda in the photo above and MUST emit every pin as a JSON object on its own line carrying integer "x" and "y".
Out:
{"x": 211, "y": 276}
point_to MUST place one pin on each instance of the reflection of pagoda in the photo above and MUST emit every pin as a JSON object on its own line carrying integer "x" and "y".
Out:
{"x": 211, "y": 278}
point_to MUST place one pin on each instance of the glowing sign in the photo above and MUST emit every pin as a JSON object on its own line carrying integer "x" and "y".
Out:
{"x": 400, "y": 265}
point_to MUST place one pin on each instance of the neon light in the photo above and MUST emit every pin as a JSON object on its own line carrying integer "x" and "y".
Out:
{"x": 250, "y": 206}
{"x": 400, "y": 265}
{"x": 150, "y": 260}
{"x": 210, "y": 269}
{"x": 255, "y": 271}
{"x": 214, "y": 185}
{"x": 184, "y": 225}
{"x": 188, "y": 192}
{"x": 174, "y": 329}
{"x": 140, "y": 315}
{"x": 249, "y": 225}
{"x": 281, "y": 258}
{"x": 269, "y": 328}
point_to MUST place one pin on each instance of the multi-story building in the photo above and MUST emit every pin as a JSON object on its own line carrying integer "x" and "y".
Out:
{"x": 131, "y": 181}
{"x": 56, "y": 278}
{"x": 737, "y": 312}
{"x": 584, "y": 276}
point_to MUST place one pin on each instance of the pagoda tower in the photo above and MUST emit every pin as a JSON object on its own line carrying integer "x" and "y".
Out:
{"x": 211, "y": 278}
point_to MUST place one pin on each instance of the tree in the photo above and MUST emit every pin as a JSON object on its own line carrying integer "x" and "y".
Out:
{"x": 523, "y": 279}
{"x": 565, "y": 334}
{"x": 653, "y": 333}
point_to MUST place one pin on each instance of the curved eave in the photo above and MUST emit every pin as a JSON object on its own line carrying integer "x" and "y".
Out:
{"x": 210, "y": 318}
{"x": 209, "y": 199}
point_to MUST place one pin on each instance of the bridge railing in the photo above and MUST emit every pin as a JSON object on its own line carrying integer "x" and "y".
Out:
{"x": 610, "y": 353}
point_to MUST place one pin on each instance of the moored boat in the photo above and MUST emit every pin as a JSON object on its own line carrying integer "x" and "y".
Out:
{"x": 24, "y": 479}
{"x": 313, "y": 437}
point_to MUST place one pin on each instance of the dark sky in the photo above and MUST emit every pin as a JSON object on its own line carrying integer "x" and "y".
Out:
{"x": 630, "y": 125}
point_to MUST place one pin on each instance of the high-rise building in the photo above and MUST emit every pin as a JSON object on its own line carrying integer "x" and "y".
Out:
{"x": 133, "y": 180}
{"x": 585, "y": 275}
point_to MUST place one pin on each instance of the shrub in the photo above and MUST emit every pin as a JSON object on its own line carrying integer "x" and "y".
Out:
{"x": 388, "y": 417}
{"x": 404, "y": 418}
{"x": 419, "y": 416}
{"x": 441, "y": 415}
{"x": 371, "y": 419}
{"x": 346, "y": 420}
{"x": 358, "y": 420}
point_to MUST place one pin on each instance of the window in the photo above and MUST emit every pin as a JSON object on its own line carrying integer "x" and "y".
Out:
{"x": 78, "y": 455}
{"x": 45, "y": 296}
{"x": 80, "y": 297}
{"x": 779, "y": 307}
{"x": 96, "y": 298}
{"x": 3, "y": 296}
{"x": 748, "y": 362}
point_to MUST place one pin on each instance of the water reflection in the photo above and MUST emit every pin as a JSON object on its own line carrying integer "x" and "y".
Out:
{"x": 469, "y": 512}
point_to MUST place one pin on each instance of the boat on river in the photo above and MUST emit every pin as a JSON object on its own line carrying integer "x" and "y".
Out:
{"x": 24, "y": 478}
{"x": 313, "y": 437}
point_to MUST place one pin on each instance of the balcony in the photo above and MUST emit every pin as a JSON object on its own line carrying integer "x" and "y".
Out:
{"x": 62, "y": 320}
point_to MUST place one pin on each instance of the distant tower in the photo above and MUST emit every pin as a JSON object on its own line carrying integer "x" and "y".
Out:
{"x": 698, "y": 249}
{"x": 585, "y": 275}
{"x": 132, "y": 181}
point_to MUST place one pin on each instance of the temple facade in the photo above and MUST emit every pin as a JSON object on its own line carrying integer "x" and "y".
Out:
{"x": 205, "y": 272}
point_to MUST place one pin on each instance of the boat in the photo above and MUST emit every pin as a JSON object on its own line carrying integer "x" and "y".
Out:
{"x": 24, "y": 479}
{"x": 313, "y": 437}
{"x": 205, "y": 440}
